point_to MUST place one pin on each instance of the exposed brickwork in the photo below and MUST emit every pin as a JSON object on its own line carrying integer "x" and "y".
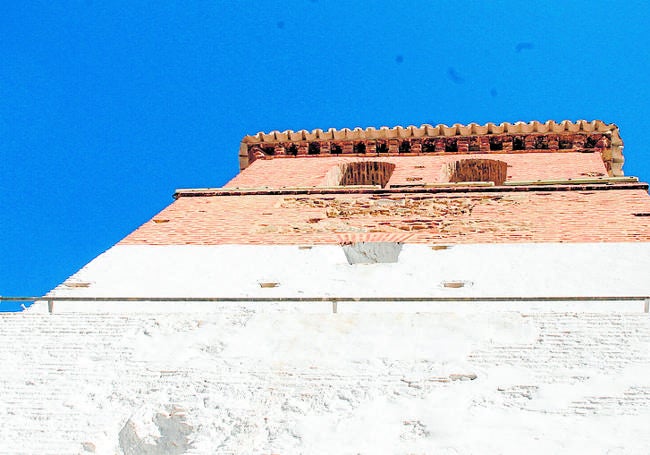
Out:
{"x": 399, "y": 157}
{"x": 308, "y": 171}
{"x": 494, "y": 217}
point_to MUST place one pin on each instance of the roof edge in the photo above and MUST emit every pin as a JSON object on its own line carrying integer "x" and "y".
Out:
{"x": 255, "y": 146}
{"x": 427, "y": 130}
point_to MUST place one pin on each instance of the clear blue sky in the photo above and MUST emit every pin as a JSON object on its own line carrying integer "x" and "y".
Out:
{"x": 107, "y": 106}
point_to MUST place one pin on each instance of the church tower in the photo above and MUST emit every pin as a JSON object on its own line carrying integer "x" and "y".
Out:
{"x": 510, "y": 210}
{"x": 432, "y": 289}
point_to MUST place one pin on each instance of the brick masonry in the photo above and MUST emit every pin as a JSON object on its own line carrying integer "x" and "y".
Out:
{"x": 520, "y": 137}
{"x": 478, "y": 170}
{"x": 316, "y": 171}
{"x": 366, "y": 173}
{"x": 457, "y": 144}
{"x": 614, "y": 215}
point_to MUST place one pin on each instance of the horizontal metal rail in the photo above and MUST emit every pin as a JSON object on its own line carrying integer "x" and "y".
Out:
{"x": 334, "y": 299}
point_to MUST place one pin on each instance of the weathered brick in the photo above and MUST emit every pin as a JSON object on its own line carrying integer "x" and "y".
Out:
{"x": 559, "y": 216}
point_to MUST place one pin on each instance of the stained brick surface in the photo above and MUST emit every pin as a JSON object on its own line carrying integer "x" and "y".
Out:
{"x": 496, "y": 217}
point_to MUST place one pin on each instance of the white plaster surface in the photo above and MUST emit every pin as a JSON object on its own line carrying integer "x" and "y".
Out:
{"x": 373, "y": 378}
{"x": 517, "y": 270}
{"x": 280, "y": 381}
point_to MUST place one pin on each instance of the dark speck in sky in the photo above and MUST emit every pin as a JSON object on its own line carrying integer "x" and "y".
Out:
{"x": 454, "y": 76}
{"x": 399, "y": 58}
{"x": 493, "y": 92}
{"x": 280, "y": 24}
{"x": 524, "y": 46}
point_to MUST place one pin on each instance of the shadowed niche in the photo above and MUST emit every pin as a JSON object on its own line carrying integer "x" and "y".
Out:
{"x": 478, "y": 170}
{"x": 366, "y": 173}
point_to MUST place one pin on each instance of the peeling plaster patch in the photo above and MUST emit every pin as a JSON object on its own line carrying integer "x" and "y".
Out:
{"x": 156, "y": 432}
{"x": 76, "y": 284}
{"x": 456, "y": 284}
{"x": 462, "y": 377}
{"x": 372, "y": 252}
{"x": 88, "y": 447}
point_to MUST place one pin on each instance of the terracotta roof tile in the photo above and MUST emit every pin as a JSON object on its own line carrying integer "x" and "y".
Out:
{"x": 263, "y": 144}
{"x": 427, "y": 130}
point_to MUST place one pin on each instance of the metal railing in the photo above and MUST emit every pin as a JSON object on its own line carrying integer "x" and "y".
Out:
{"x": 334, "y": 300}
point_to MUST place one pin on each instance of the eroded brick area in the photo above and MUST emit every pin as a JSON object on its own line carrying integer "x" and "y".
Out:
{"x": 381, "y": 213}
{"x": 615, "y": 215}
{"x": 309, "y": 171}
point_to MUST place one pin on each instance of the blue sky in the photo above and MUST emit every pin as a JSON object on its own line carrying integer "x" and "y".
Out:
{"x": 107, "y": 107}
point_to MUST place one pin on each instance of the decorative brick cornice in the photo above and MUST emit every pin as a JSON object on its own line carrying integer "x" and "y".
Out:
{"x": 520, "y": 137}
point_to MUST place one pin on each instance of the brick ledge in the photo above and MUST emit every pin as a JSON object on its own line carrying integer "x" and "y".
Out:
{"x": 472, "y": 188}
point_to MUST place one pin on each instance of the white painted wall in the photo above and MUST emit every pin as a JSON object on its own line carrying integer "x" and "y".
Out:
{"x": 498, "y": 270}
{"x": 248, "y": 381}
{"x": 293, "y": 377}
{"x": 376, "y": 377}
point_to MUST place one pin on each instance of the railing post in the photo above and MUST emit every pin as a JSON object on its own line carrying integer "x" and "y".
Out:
{"x": 646, "y": 305}
{"x": 50, "y": 306}
{"x": 334, "y": 306}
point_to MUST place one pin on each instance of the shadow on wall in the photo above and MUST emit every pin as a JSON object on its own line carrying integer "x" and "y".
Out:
{"x": 477, "y": 170}
{"x": 360, "y": 173}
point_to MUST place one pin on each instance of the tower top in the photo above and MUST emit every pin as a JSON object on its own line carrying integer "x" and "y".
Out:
{"x": 518, "y": 137}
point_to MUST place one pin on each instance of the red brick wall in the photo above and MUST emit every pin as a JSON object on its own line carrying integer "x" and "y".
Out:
{"x": 313, "y": 170}
{"x": 483, "y": 217}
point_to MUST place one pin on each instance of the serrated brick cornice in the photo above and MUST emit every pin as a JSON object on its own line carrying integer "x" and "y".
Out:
{"x": 519, "y": 137}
